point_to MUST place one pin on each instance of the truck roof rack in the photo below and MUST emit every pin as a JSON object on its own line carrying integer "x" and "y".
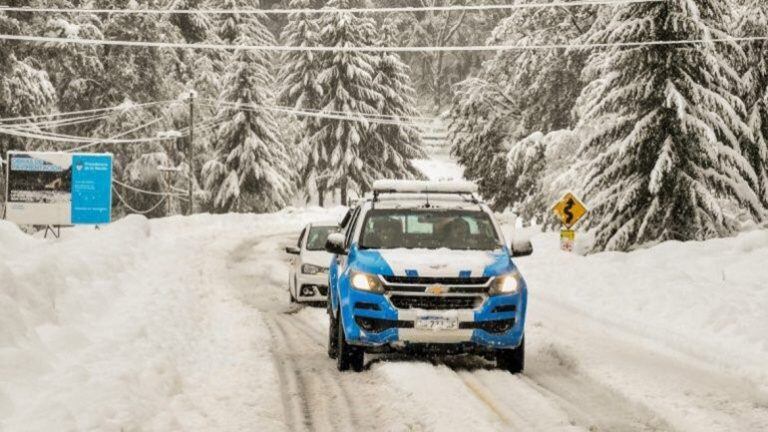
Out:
{"x": 424, "y": 187}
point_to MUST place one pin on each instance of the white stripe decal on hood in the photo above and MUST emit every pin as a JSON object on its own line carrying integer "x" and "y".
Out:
{"x": 438, "y": 263}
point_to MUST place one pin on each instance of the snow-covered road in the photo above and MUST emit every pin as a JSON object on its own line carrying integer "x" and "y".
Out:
{"x": 184, "y": 324}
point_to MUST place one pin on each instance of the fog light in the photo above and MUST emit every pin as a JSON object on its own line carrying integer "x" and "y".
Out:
{"x": 308, "y": 291}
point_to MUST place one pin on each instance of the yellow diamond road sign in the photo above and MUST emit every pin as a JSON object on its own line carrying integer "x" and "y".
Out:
{"x": 569, "y": 210}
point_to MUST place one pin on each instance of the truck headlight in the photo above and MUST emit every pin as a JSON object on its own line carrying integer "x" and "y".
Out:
{"x": 506, "y": 284}
{"x": 311, "y": 269}
{"x": 366, "y": 282}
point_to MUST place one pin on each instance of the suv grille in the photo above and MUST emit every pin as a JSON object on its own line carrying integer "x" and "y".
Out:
{"x": 417, "y": 280}
{"x": 417, "y": 284}
{"x": 435, "y": 302}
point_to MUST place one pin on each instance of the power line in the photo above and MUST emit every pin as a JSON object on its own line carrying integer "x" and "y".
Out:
{"x": 146, "y": 192}
{"x": 120, "y": 135}
{"x": 69, "y": 139}
{"x": 123, "y": 106}
{"x": 141, "y": 212}
{"x": 358, "y": 117}
{"x": 329, "y": 114}
{"x": 467, "y": 8}
{"x": 378, "y": 49}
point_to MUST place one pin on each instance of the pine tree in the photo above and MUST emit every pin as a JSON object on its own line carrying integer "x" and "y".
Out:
{"x": 24, "y": 89}
{"x": 394, "y": 146}
{"x": 337, "y": 150}
{"x": 545, "y": 83}
{"x": 667, "y": 125}
{"x": 298, "y": 75}
{"x": 478, "y": 130}
{"x": 299, "y": 88}
{"x": 250, "y": 171}
{"x": 753, "y": 21}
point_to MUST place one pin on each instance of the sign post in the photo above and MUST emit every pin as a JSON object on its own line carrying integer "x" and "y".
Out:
{"x": 569, "y": 209}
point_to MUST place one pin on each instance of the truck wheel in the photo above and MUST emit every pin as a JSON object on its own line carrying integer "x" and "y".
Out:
{"x": 333, "y": 337}
{"x": 349, "y": 356}
{"x": 512, "y": 360}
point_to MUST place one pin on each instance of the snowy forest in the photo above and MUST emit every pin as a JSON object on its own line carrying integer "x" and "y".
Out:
{"x": 663, "y": 141}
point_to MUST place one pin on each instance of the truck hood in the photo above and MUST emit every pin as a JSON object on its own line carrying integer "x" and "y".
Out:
{"x": 435, "y": 263}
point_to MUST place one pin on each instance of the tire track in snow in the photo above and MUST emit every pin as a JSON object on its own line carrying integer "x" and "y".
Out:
{"x": 482, "y": 393}
{"x": 330, "y": 394}
{"x": 312, "y": 397}
{"x": 293, "y": 389}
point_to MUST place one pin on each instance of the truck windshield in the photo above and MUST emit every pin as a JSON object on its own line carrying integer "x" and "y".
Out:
{"x": 317, "y": 237}
{"x": 428, "y": 229}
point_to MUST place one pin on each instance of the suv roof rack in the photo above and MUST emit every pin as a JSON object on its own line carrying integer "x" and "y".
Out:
{"x": 424, "y": 187}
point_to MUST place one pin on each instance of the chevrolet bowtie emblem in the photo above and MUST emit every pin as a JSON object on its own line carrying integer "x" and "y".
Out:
{"x": 437, "y": 289}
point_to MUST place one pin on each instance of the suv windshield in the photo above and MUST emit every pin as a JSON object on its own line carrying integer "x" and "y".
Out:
{"x": 317, "y": 237}
{"x": 428, "y": 229}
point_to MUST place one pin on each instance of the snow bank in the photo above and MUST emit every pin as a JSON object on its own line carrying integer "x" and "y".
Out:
{"x": 708, "y": 299}
{"x": 136, "y": 326}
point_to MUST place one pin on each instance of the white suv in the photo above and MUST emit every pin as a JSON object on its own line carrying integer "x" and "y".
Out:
{"x": 308, "y": 281}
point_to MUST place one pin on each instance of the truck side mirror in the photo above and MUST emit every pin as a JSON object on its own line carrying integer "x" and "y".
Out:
{"x": 335, "y": 244}
{"x": 521, "y": 248}
{"x": 293, "y": 250}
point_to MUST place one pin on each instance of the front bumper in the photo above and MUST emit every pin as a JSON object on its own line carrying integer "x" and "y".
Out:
{"x": 371, "y": 320}
{"x": 312, "y": 288}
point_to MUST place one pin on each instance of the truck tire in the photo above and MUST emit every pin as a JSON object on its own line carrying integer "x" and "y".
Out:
{"x": 333, "y": 337}
{"x": 512, "y": 360}
{"x": 349, "y": 356}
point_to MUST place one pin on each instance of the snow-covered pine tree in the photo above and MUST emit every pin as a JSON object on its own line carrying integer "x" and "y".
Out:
{"x": 394, "y": 146}
{"x": 546, "y": 83}
{"x": 298, "y": 74}
{"x": 753, "y": 21}
{"x": 76, "y": 71}
{"x": 24, "y": 89}
{"x": 477, "y": 129}
{"x": 194, "y": 27}
{"x": 251, "y": 168}
{"x": 667, "y": 125}
{"x": 526, "y": 166}
{"x": 337, "y": 150}
{"x": 299, "y": 88}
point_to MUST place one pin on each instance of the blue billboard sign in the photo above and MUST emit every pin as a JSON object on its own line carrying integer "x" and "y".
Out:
{"x": 91, "y": 189}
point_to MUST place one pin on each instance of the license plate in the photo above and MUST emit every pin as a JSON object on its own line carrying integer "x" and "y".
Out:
{"x": 436, "y": 323}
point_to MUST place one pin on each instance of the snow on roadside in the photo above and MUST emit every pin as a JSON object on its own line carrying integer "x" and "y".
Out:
{"x": 707, "y": 299}
{"x": 135, "y": 327}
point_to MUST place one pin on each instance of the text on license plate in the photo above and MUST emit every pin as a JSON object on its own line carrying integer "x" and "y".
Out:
{"x": 437, "y": 323}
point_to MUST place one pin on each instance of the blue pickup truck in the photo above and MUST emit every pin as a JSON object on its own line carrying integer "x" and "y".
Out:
{"x": 423, "y": 267}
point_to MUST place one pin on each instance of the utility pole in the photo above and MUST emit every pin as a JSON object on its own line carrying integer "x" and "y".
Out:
{"x": 191, "y": 151}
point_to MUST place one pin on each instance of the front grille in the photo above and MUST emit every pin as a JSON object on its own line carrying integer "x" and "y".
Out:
{"x": 435, "y": 302}
{"x": 418, "y": 280}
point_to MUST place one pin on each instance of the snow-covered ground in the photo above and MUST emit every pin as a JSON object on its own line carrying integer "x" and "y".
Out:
{"x": 184, "y": 324}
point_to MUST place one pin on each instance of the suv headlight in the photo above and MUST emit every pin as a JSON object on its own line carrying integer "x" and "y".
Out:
{"x": 506, "y": 284}
{"x": 366, "y": 282}
{"x": 311, "y": 269}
